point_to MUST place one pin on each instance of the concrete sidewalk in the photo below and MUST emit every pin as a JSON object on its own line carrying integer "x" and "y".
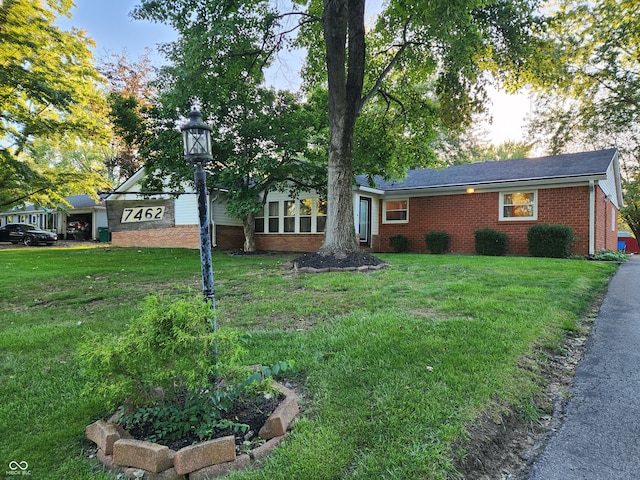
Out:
{"x": 600, "y": 434}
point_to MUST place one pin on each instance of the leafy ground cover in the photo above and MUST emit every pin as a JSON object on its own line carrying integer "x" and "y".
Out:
{"x": 394, "y": 367}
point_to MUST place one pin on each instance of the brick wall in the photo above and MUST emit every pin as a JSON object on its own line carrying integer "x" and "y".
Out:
{"x": 289, "y": 242}
{"x": 183, "y": 236}
{"x": 461, "y": 215}
{"x": 229, "y": 237}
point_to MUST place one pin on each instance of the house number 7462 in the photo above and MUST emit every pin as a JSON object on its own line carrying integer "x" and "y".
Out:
{"x": 142, "y": 214}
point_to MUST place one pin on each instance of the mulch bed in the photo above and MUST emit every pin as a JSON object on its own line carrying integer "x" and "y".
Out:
{"x": 356, "y": 259}
{"x": 253, "y": 411}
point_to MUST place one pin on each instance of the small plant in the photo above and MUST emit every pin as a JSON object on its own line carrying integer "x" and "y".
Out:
{"x": 399, "y": 243}
{"x": 611, "y": 256}
{"x": 437, "y": 242}
{"x": 490, "y": 242}
{"x": 168, "y": 348}
{"x": 551, "y": 241}
{"x": 199, "y": 415}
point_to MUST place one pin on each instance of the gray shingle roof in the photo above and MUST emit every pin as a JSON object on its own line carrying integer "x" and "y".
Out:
{"x": 76, "y": 201}
{"x": 571, "y": 165}
{"x": 82, "y": 201}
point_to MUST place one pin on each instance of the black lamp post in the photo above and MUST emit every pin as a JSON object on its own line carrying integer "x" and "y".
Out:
{"x": 197, "y": 151}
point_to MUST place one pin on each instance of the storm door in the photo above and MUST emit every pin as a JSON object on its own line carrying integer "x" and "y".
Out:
{"x": 365, "y": 221}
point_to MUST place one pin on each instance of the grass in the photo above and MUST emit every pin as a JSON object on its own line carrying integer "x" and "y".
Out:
{"x": 392, "y": 365}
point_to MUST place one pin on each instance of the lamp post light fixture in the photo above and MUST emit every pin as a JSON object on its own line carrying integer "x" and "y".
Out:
{"x": 197, "y": 151}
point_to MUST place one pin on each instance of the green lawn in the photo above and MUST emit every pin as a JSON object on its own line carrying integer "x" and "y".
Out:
{"x": 391, "y": 365}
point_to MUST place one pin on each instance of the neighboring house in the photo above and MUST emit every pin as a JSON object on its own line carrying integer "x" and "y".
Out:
{"x": 627, "y": 243}
{"x": 582, "y": 190}
{"x": 85, "y": 214}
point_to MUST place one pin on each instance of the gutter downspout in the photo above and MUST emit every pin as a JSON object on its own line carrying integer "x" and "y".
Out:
{"x": 592, "y": 217}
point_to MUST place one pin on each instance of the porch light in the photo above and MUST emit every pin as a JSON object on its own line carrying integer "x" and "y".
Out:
{"x": 471, "y": 190}
{"x": 196, "y": 137}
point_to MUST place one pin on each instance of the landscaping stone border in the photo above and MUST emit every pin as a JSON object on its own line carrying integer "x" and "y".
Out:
{"x": 135, "y": 459}
{"x": 363, "y": 268}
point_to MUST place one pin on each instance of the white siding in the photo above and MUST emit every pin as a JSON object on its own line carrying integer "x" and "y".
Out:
{"x": 101, "y": 218}
{"x": 186, "y": 210}
{"x": 609, "y": 185}
{"x": 375, "y": 215}
{"x": 219, "y": 213}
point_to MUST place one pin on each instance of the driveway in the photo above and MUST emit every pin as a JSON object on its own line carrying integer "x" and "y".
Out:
{"x": 599, "y": 438}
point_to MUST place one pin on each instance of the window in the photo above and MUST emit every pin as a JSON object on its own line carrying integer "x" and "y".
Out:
{"x": 307, "y": 215}
{"x": 289, "y": 216}
{"x": 259, "y": 222}
{"x": 321, "y": 215}
{"x": 396, "y": 211}
{"x": 274, "y": 217}
{"x": 518, "y": 206}
{"x": 306, "y": 207}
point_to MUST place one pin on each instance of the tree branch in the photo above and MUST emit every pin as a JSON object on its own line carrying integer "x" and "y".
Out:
{"x": 396, "y": 58}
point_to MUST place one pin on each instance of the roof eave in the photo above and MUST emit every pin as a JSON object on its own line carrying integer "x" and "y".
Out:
{"x": 364, "y": 188}
{"x": 462, "y": 187}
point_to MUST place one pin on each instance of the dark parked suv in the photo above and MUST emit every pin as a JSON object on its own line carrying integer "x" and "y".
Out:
{"x": 27, "y": 234}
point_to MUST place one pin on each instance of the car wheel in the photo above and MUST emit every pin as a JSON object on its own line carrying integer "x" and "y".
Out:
{"x": 27, "y": 240}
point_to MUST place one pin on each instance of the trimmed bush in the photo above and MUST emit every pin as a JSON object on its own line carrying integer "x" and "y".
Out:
{"x": 437, "y": 242}
{"x": 399, "y": 243}
{"x": 490, "y": 242}
{"x": 552, "y": 241}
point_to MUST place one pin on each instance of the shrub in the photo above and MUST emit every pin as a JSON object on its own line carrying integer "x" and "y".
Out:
{"x": 611, "y": 256}
{"x": 399, "y": 243}
{"x": 437, "y": 242}
{"x": 552, "y": 241}
{"x": 490, "y": 242}
{"x": 168, "y": 349}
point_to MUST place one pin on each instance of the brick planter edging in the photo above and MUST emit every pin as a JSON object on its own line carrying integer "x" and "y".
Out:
{"x": 120, "y": 453}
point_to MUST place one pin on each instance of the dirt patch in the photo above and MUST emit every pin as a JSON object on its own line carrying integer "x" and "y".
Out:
{"x": 504, "y": 445}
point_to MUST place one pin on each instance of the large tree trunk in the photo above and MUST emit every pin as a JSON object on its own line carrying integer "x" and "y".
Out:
{"x": 343, "y": 21}
{"x": 249, "y": 228}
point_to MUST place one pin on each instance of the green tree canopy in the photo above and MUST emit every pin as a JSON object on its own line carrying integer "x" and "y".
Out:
{"x": 589, "y": 94}
{"x": 48, "y": 92}
{"x": 260, "y": 136}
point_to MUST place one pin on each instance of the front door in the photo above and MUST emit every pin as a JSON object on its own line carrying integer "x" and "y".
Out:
{"x": 365, "y": 221}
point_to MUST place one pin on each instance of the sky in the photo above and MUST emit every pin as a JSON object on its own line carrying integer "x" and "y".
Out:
{"x": 108, "y": 23}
